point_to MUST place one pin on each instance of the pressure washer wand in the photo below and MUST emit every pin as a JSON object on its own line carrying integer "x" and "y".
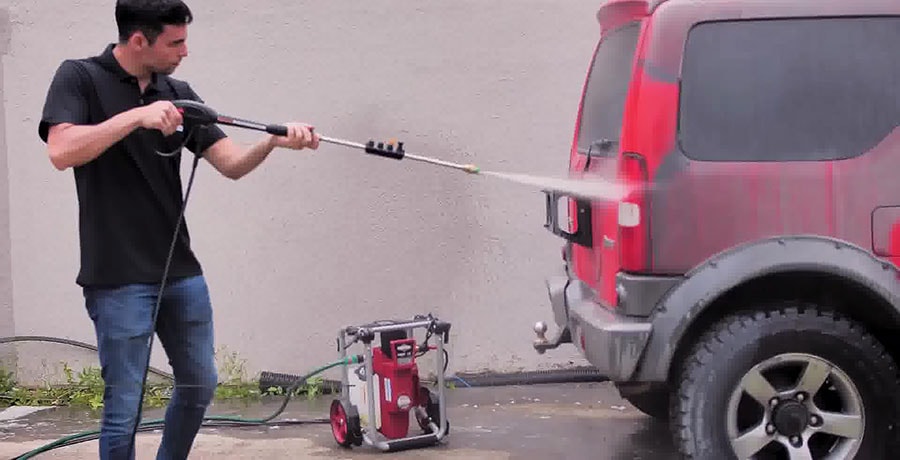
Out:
{"x": 469, "y": 168}
{"x": 205, "y": 115}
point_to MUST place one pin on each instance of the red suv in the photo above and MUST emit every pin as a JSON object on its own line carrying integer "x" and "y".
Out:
{"x": 746, "y": 289}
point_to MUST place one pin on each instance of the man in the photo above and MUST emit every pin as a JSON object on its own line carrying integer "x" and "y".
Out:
{"x": 106, "y": 117}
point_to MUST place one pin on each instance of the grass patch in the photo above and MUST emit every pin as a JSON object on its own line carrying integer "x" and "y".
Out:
{"x": 84, "y": 389}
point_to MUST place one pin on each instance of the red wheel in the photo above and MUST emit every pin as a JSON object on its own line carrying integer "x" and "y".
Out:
{"x": 345, "y": 424}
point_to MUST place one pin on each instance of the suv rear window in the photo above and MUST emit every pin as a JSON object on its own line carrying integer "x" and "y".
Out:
{"x": 607, "y": 86}
{"x": 789, "y": 89}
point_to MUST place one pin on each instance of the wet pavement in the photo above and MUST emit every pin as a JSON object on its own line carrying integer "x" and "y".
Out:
{"x": 577, "y": 421}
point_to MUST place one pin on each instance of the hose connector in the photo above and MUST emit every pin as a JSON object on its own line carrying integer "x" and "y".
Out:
{"x": 354, "y": 359}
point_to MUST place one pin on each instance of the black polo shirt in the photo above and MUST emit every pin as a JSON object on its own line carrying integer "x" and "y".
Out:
{"x": 129, "y": 198}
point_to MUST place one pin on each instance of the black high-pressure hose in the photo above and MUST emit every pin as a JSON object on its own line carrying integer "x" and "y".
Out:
{"x": 202, "y": 116}
{"x": 208, "y": 421}
{"x": 159, "y": 295}
{"x": 74, "y": 343}
{"x": 162, "y": 287}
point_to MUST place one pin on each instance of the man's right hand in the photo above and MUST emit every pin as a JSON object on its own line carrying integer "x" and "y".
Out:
{"x": 74, "y": 145}
{"x": 160, "y": 115}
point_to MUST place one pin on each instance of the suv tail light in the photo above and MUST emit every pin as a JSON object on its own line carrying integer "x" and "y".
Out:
{"x": 633, "y": 215}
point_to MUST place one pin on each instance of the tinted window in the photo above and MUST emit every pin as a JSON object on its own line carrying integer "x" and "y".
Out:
{"x": 805, "y": 89}
{"x": 604, "y": 97}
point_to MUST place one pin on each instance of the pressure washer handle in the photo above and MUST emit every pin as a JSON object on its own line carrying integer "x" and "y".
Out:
{"x": 277, "y": 130}
{"x": 204, "y": 115}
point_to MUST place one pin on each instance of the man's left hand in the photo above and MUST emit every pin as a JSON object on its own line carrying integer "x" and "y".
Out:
{"x": 299, "y": 137}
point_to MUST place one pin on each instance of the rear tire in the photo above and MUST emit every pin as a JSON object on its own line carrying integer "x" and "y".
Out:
{"x": 804, "y": 367}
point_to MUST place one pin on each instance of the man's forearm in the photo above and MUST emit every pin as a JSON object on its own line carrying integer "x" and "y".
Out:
{"x": 235, "y": 162}
{"x": 79, "y": 144}
{"x": 246, "y": 161}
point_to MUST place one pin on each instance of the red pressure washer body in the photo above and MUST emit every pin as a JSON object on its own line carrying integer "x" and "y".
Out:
{"x": 398, "y": 385}
{"x": 379, "y": 398}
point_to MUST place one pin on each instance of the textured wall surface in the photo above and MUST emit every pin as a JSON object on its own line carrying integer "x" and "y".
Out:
{"x": 312, "y": 242}
{"x": 7, "y": 323}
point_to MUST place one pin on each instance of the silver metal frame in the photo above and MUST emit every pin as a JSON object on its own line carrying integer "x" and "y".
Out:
{"x": 370, "y": 435}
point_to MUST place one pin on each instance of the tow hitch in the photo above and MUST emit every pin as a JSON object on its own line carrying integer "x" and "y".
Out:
{"x": 541, "y": 344}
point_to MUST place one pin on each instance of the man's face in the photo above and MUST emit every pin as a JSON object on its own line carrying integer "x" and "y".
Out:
{"x": 166, "y": 53}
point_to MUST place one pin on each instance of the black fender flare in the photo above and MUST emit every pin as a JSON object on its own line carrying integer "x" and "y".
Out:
{"x": 707, "y": 282}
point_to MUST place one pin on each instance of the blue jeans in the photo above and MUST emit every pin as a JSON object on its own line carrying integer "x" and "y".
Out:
{"x": 122, "y": 319}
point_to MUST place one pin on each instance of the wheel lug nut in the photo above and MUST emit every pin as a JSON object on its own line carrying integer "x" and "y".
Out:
{"x": 814, "y": 420}
{"x": 774, "y": 402}
{"x": 796, "y": 441}
{"x": 801, "y": 397}
{"x": 770, "y": 429}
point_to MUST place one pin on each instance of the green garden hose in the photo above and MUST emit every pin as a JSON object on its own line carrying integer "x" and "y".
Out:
{"x": 213, "y": 420}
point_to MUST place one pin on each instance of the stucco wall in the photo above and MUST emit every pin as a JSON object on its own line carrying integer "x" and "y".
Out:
{"x": 7, "y": 324}
{"x": 312, "y": 242}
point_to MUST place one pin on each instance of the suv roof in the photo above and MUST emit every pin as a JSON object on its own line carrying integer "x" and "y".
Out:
{"x": 791, "y": 7}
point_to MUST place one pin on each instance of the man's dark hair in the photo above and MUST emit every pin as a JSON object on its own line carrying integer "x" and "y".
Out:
{"x": 149, "y": 17}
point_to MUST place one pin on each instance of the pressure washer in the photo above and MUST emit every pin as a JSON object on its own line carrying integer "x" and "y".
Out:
{"x": 392, "y": 365}
{"x": 388, "y": 388}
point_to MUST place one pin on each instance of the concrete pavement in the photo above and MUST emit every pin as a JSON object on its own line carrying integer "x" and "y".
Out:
{"x": 575, "y": 421}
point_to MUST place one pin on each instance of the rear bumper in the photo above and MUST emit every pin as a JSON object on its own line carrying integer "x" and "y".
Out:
{"x": 612, "y": 343}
